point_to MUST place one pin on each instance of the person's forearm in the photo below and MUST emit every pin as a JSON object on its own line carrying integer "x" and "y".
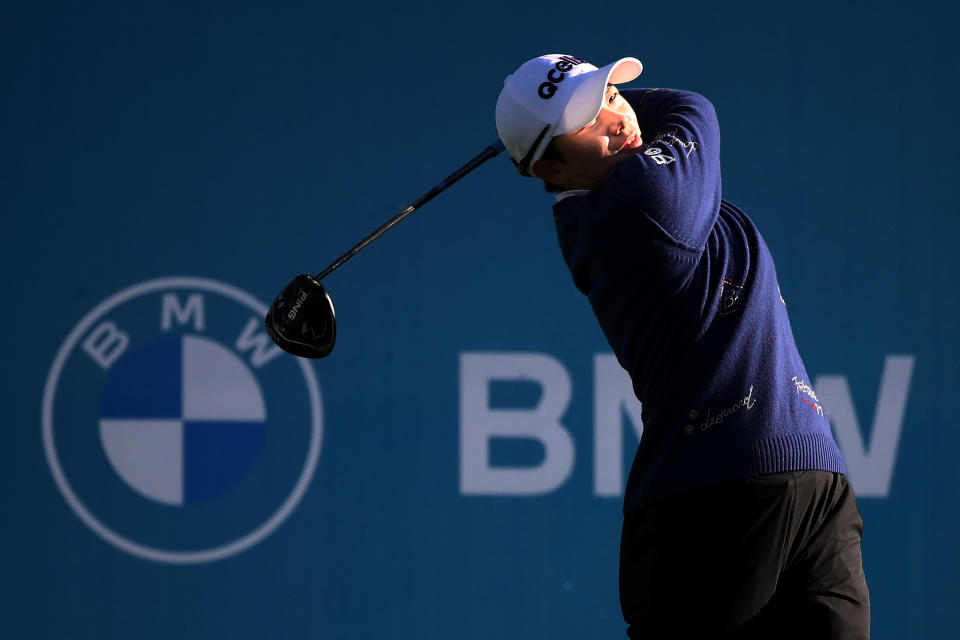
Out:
{"x": 675, "y": 176}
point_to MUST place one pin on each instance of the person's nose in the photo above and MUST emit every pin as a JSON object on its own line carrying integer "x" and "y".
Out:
{"x": 614, "y": 121}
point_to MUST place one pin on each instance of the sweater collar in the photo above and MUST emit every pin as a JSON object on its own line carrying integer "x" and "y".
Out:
{"x": 563, "y": 195}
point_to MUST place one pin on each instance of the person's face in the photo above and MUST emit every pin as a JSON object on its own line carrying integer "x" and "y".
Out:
{"x": 588, "y": 154}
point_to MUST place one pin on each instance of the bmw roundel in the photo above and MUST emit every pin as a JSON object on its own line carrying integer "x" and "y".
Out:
{"x": 174, "y": 428}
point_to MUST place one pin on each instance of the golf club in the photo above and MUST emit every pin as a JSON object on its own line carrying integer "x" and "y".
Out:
{"x": 301, "y": 320}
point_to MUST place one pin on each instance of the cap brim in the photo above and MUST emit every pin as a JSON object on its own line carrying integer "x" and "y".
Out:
{"x": 623, "y": 70}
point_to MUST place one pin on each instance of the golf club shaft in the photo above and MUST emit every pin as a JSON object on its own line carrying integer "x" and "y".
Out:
{"x": 492, "y": 150}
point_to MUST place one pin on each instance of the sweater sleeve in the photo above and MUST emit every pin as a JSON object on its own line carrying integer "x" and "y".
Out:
{"x": 674, "y": 179}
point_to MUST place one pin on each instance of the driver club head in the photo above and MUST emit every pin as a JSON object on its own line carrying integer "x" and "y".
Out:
{"x": 301, "y": 320}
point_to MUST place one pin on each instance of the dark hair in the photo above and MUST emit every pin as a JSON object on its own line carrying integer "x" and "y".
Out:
{"x": 552, "y": 152}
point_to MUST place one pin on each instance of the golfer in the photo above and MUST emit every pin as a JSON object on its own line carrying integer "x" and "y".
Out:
{"x": 738, "y": 519}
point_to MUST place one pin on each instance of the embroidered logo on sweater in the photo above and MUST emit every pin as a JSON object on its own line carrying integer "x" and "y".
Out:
{"x": 669, "y": 138}
{"x": 659, "y": 156}
{"x": 731, "y": 296}
{"x": 804, "y": 389}
{"x": 713, "y": 419}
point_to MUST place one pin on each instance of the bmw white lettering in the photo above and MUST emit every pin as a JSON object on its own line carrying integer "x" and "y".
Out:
{"x": 869, "y": 466}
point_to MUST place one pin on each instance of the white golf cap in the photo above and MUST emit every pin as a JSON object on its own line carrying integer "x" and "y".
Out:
{"x": 550, "y": 96}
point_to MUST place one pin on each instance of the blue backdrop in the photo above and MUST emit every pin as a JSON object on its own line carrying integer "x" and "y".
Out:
{"x": 455, "y": 467}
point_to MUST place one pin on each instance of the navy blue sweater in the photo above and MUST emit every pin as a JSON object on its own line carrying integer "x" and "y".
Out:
{"x": 686, "y": 293}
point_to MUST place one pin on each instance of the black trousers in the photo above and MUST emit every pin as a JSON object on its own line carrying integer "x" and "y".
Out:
{"x": 776, "y": 556}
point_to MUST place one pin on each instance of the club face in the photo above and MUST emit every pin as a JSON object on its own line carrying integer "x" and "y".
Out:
{"x": 301, "y": 320}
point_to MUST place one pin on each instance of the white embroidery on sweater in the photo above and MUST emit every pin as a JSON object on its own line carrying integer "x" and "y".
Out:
{"x": 746, "y": 403}
{"x": 670, "y": 138}
{"x": 804, "y": 388}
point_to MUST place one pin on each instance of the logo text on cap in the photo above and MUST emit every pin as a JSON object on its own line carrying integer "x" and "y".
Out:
{"x": 556, "y": 75}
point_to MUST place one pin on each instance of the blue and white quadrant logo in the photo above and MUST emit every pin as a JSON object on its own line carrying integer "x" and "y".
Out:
{"x": 182, "y": 419}
{"x": 173, "y": 426}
